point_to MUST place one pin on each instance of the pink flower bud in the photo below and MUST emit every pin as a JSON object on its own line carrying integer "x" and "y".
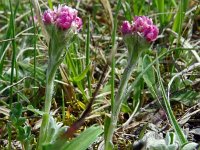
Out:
{"x": 64, "y": 21}
{"x": 78, "y": 23}
{"x": 140, "y": 23}
{"x": 48, "y": 17}
{"x": 126, "y": 28}
{"x": 151, "y": 33}
{"x": 63, "y": 17}
{"x": 142, "y": 26}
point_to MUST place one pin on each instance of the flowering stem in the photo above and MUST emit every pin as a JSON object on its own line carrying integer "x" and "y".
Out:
{"x": 137, "y": 37}
{"x": 53, "y": 64}
{"x": 43, "y": 131}
{"x": 51, "y": 71}
{"x": 117, "y": 106}
{"x": 60, "y": 24}
{"x": 119, "y": 97}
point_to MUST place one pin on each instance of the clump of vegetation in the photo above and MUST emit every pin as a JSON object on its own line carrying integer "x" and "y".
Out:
{"x": 99, "y": 74}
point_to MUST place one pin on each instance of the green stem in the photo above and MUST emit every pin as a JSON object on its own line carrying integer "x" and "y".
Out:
{"x": 122, "y": 87}
{"x": 133, "y": 57}
{"x": 48, "y": 97}
{"x": 43, "y": 130}
{"x": 135, "y": 47}
{"x": 53, "y": 64}
{"x": 117, "y": 105}
{"x": 49, "y": 87}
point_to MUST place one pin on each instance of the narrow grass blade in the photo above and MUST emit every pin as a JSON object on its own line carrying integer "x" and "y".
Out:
{"x": 130, "y": 88}
{"x": 107, "y": 135}
{"x": 113, "y": 53}
{"x": 88, "y": 57}
{"x": 50, "y": 4}
{"x": 63, "y": 107}
{"x": 170, "y": 114}
{"x": 178, "y": 21}
{"x": 127, "y": 11}
{"x": 34, "y": 45}
{"x": 6, "y": 43}
{"x": 160, "y": 4}
{"x": 13, "y": 65}
{"x": 71, "y": 63}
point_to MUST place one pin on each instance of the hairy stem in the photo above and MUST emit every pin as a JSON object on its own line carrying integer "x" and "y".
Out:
{"x": 117, "y": 105}
{"x": 43, "y": 131}
{"x": 53, "y": 65}
{"x": 119, "y": 98}
{"x": 134, "y": 53}
{"x": 49, "y": 87}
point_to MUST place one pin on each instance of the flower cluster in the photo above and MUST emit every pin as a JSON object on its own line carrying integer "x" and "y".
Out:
{"x": 63, "y": 17}
{"x": 141, "y": 25}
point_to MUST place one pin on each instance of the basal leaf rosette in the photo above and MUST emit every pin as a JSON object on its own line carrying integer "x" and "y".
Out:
{"x": 138, "y": 35}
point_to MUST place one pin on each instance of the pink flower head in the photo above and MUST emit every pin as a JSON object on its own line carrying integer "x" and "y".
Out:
{"x": 78, "y": 23}
{"x": 63, "y": 17}
{"x": 64, "y": 21}
{"x": 151, "y": 33}
{"x": 48, "y": 17}
{"x": 141, "y": 23}
{"x": 126, "y": 28}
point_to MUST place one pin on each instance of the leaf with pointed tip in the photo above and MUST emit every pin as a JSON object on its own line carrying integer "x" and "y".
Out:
{"x": 82, "y": 142}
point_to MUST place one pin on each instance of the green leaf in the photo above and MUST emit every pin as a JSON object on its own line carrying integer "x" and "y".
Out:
{"x": 138, "y": 89}
{"x": 54, "y": 130}
{"x": 86, "y": 138}
{"x": 187, "y": 97}
{"x": 36, "y": 111}
{"x": 177, "y": 26}
{"x": 125, "y": 108}
{"x": 179, "y": 132}
{"x": 8, "y": 35}
{"x": 81, "y": 76}
{"x": 170, "y": 138}
{"x": 15, "y": 115}
{"x": 30, "y": 68}
{"x": 106, "y": 127}
{"x": 50, "y": 4}
{"x": 21, "y": 134}
{"x": 143, "y": 131}
{"x": 127, "y": 11}
{"x": 82, "y": 142}
{"x": 190, "y": 146}
{"x": 21, "y": 121}
{"x": 160, "y": 4}
{"x": 149, "y": 75}
{"x": 16, "y": 110}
